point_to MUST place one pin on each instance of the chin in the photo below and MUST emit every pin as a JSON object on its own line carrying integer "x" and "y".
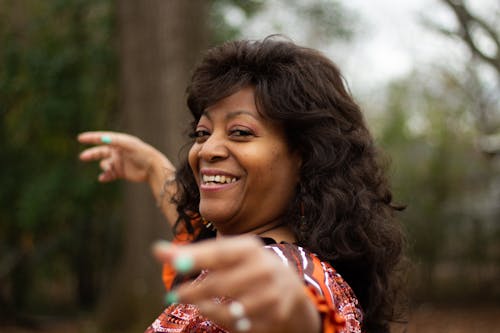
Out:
{"x": 213, "y": 215}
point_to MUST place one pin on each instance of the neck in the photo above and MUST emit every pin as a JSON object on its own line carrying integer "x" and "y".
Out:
{"x": 276, "y": 230}
{"x": 265, "y": 229}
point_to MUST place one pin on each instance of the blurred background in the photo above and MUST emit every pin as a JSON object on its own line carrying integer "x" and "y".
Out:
{"x": 75, "y": 254}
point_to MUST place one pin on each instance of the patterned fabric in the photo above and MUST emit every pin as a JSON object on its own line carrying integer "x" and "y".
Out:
{"x": 331, "y": 295}
{"x": 183, "y": 318}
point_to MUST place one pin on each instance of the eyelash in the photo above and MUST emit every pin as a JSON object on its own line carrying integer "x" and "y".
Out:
{"x": 199, "y": 134}
{"x": 238, "y": 133}
{"x": 241, "y": 133}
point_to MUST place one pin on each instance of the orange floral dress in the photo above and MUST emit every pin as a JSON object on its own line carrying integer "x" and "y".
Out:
{"x": 332, "y": 296}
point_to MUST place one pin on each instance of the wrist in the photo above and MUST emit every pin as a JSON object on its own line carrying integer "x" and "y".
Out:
{"x": 160, "y": 176}
{"x": 159, "y": 169}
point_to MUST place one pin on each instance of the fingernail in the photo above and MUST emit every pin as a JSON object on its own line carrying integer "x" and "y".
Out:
{"x": 171, "y": 298}
{"x": 106, "y": 139}
{"x": 183, "y": 263}
{"x": 160, "y": 247}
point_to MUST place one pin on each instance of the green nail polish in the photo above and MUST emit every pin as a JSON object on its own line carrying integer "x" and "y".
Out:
{"x": 183, "y": 264}
{"x": 171, "y": 298}
{"x": 106, "y": 139}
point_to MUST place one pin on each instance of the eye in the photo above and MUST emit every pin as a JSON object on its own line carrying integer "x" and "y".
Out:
{"x": 199, "y": 135}
{"x": 241, "y": 133}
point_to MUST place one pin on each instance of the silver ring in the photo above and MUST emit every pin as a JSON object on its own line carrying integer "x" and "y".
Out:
{"x": 241, "y": 322}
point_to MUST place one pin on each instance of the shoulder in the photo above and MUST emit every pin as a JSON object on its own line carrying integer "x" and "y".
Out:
{"x": 324, "y": 280}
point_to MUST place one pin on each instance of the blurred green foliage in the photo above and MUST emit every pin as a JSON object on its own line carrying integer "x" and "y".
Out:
{"x": 448, "y": 185}
{"x": 57, "y": 78}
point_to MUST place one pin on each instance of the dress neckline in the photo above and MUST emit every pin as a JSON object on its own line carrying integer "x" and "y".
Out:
{"x": 268, "y": 240}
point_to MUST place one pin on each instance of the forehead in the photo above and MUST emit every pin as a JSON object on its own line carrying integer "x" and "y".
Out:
{"x": 240, "y": 103}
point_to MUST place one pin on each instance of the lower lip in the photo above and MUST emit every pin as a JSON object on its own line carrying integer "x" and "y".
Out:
{"x": 216, "y": 187}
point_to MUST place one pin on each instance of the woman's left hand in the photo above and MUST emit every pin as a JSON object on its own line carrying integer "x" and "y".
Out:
{"x": 271, "y": 295}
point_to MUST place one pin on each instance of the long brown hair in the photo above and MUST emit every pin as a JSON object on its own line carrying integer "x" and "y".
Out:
{"x": 343, "y": 192}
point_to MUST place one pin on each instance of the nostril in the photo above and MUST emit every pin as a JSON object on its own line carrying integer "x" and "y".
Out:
{"x": 213, "y": 150}
{"x": 215, "y": 158}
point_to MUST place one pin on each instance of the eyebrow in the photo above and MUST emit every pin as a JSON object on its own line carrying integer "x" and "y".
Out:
{"x": 232, "y": 114}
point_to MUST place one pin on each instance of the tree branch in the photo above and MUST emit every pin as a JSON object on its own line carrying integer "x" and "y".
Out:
{"x": 467, "y": 21}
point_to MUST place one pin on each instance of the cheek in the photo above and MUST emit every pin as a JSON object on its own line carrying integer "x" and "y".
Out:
{"x": 258, "y": 163}
{"x": 273, "y": 162}
{"x": 193, "y": 160}
{"x": 285, "y": 169}
{"x": 274, "y": 168}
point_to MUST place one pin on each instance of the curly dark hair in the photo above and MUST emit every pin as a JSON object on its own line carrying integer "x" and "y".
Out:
{"x": 343, "y": 192}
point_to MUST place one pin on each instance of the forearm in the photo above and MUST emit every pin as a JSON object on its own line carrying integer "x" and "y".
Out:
{"x": 161, "y": 176}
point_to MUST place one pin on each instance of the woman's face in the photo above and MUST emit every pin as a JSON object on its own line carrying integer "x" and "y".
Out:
{"x": 244, "y": 168}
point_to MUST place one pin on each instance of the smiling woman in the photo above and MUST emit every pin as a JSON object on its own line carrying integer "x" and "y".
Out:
{"x": 286, "y": 209}
{"x": 234, "y": 141}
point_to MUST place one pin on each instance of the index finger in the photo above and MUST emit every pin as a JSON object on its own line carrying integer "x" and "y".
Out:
{"x": 210, "y": 254}
{"x": 105, "y": 137}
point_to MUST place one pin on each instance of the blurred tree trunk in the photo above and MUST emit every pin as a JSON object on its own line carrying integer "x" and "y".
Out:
{"x": 160, "y": 42}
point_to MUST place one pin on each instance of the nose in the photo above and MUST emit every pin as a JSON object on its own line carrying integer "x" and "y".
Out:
{"x": 214, "y": 148}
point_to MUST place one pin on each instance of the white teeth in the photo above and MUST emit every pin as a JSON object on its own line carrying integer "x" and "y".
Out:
{"x": 218, "y": 179}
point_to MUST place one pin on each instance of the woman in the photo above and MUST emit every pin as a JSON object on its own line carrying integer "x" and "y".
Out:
{"x": 280, "y": 151}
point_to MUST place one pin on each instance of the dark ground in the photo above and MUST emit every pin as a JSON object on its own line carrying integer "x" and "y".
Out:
{"x": 423, "y": 319}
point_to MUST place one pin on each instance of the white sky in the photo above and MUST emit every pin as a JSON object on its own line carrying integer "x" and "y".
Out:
{"x": 391, "y": 40}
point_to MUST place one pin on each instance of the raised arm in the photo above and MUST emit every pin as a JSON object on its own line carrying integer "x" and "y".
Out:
{"x": 123, "y": 156}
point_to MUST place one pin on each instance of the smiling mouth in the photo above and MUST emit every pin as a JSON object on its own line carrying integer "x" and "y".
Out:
{"x": 217, "y": 179}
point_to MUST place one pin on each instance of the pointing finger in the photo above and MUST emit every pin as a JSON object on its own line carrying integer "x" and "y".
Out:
{"x": 108, "y": 138}
{"x": 210, "y": 254}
